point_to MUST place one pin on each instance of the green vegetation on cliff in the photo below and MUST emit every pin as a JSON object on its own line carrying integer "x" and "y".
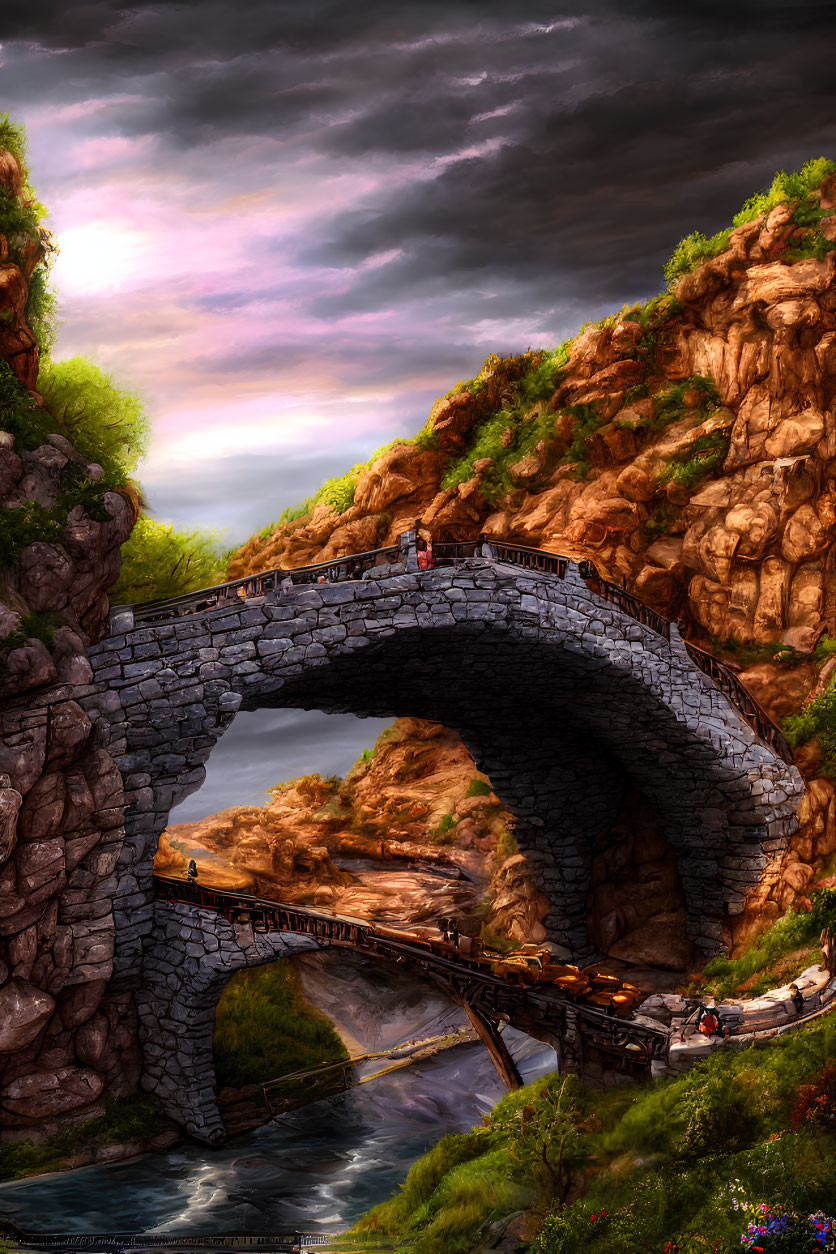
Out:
{"x": 105, "y": 423}
{"x": 522, "y": 435}
{"x": 776, "y": 955}
{"x": 795, "y": 188}
{"x": 265, "y": 1028}
{"x": 817, "y": 721}
{"x": 136, "y": 1117}
{"x": 653, "y": 1164}
{"x": 160, "y": 560}
{"x": 21, "y": 224}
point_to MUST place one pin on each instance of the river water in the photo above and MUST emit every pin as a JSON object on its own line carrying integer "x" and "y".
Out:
{"x": 315, "y": 1169}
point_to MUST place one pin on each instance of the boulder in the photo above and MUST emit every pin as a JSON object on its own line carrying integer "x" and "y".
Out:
{"x": 69, "y": 734}
{"x": 46, "y": 572}
{"x": 10, "y": 803}
{"x": 51, "y": 1094}
{"x": 41, "y": 814}
{"x": 24, "y": 1012}
{"x": 28, "y": 667}
{"x": 797, "y": 434}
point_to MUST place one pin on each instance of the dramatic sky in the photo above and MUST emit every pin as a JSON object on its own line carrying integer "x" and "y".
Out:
{"x": 291, "y": 224}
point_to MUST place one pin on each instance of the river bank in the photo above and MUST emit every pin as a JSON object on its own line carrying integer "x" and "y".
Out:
{"x": 318, "y": 1168}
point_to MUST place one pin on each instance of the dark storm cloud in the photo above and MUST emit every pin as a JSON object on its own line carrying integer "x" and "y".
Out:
{"x": 657, "y": 128}
{"x": 266, "y": 747}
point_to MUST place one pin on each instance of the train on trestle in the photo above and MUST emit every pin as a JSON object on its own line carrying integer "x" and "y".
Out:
{"x": 536, "y": 966}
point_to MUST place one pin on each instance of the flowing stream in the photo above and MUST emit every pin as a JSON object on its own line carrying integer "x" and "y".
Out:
{"x": 315, "y": 1169}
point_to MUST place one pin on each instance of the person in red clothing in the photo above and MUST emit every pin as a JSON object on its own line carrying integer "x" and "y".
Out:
{"x": 708, "y": 1021}
{"x": 425, "y": 554}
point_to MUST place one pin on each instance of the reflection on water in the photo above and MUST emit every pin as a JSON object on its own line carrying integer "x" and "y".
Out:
{"x": 318, "y": 1168}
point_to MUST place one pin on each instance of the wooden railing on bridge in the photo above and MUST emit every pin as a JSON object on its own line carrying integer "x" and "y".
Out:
{"x": 453, "y": 553}
{"x": 741, "y": 698}
{"x": 487, "y": 993}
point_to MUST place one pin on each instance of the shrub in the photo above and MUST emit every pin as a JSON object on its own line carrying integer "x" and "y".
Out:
{"x": 159, "y": 560}
{"x": 41, "y": 626}
{"x": 825, "y": 649}
{"x": 19, "y": 413}
{"x": 694, "y": 464}
{"x": 817, "y": 721}
{"x": 22, "y": 525}
{"x": 793, "y": 186}
{"x": 669, "y": 406}
{"x": 587, "y": 421}
{"x": 103, "y": 421}
{"x": 445, "y": 832}
{"x": 691, "y": 251}
{"x": 798, "y": 188}
{"x": 660, "y": 521}
{"x": 815, "y": 1103}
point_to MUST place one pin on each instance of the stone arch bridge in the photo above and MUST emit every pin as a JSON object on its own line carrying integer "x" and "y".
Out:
{"x": 566, "y": 691}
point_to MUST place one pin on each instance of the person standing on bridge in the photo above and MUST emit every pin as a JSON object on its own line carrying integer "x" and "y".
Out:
{"x": 191, "y": 874}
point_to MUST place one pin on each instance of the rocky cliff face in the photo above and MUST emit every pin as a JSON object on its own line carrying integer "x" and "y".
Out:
{"x": 687, "y": 447}
{"x": 414, "y": 833}
{"x": 411, "y": 834}
{"x": 63, "y": 1042}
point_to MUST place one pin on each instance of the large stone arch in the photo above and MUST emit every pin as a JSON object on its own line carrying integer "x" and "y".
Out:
{"x": 561, "y": 697}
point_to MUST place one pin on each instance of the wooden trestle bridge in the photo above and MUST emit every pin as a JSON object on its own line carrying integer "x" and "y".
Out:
{"x": 581, "y": 1034}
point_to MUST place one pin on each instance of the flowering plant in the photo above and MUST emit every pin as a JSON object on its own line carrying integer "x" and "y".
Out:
{"x": 774, "y": 1228}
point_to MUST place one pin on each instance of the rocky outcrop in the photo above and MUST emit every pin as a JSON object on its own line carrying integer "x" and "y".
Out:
{"x": 412, "y": 833}
{"x": 63, "y": 1042}
{"x": 18, "y": 345}
{"x": 717, "y": 508}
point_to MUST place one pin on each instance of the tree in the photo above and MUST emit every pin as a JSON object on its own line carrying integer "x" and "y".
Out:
{"x": 159, "y": 560}
{"x": 103, "y": 421}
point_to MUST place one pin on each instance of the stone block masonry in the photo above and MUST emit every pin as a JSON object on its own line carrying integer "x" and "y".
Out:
{"x": 193, "y": 955}
{"x": 563, "y": 700}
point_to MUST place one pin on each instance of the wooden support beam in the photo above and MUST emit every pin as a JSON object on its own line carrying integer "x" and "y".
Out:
{"x": 488, "y": 1034}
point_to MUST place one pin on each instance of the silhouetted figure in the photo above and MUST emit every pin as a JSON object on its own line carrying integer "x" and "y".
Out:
{"x": 191, "y": 874}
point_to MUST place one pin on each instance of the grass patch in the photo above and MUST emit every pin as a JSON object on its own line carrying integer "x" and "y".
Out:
{"x": 133, "y": 1118}
{"x": 746, "y": 655}
{"x": 667, "y": 1162}
{"x": 264, "y": 1028}
{"x": 816, "y": 721}
{"x": 26, "y": 524}
{"x": 669, "y": 405}
{"x": 478, "y": 788}
{"x": 765, "y": 965}
{"x": 19, "y": 414}
{"x": 693, "y": 465}
{"x": 445, "y": 832}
